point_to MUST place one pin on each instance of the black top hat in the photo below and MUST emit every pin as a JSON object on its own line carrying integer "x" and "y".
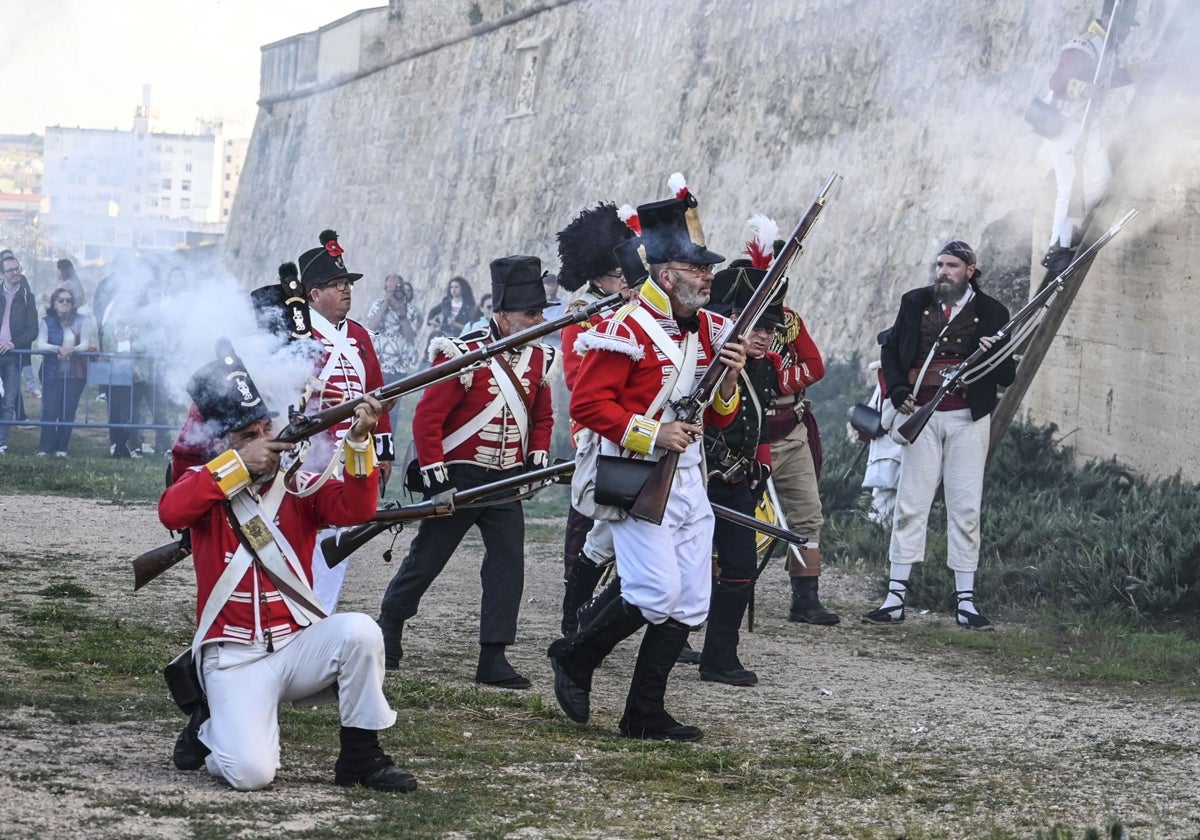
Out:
{"x": 671, "y": 232}
{"x": 224, "y": 393}
{"x": 733, "y": 287}
{"x": 1126, "y": 14}
{"x": 324, "y": 265}
{"x": 630, "y": 258}
{"x": 517, "y": 284}
{"x": 585, "y": 246}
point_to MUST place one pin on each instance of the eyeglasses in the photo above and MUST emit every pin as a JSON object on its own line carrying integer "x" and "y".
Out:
{"x": 698, "y": 270}
{"x": 339, "y": 285}
{"x": 64, "y": 300}
{"x": 16, "y": 270}
{"x": 616, "y": 274}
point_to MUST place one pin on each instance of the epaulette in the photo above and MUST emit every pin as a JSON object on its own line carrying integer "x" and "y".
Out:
{"x": 448, "y": 346}
{"x": 791, "y": 326}
{"x": 611, "y": 334}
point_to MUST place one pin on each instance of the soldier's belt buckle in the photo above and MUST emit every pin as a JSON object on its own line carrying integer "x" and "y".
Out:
{"x": 257, "y": 534}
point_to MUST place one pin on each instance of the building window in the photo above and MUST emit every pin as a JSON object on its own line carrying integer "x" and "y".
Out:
{"x": 226, "y": 176}
{"x": 187, "y": 167}
{"x": 229, "y": 158}
{"x": 227, "y": 193}
{"x": 185, "y": 204}
{"x": 185, "y": 185}
{"x": 528, "y": 71}
{"x": 165, "y": 202}
{"x": 166, "y": 183}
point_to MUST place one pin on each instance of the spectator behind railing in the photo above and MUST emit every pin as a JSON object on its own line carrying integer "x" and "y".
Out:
{"x": 64, "y": 331}
{"x": 122, "y": 331}
{"x": 18, "y": 329}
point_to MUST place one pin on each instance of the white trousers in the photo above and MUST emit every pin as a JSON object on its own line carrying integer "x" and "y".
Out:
{"x": 245, "y": 686}
{"x": 1097, "y": 172}
{"x": 598, "y": 544}
{"x": 327, "y": 582}
{"x": 666, "y": 570}
{"x": 953, "y": 450}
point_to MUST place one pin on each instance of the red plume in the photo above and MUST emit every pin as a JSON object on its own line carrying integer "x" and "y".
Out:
{"x": 629, "y": 216}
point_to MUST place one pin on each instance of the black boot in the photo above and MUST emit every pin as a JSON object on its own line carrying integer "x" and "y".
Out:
{"x": 719, "y": 661}
{"x": 590, "y": 609}
{"x": 393, "y": 650}
{"x": 806, "y": 604}
{"x": 362, "y": 761}
{"x": 580, "y": 585}
{"x": 494, "y": 670}
{"x": 688, "y": 655}
{"x": 645, "y": 716}
{"x": 575, "y": 658}
{"x": 1057, "y": 259}
{"x": 190, "y": 751}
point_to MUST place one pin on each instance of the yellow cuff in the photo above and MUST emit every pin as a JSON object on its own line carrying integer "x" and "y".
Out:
{"x": 229, "y": 471}
{"x": 359, "y": 457}
{"x": 723, "y": 407}
{"x": 640, "y": 434}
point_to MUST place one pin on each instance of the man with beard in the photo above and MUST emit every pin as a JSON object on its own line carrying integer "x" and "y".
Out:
{"x": 937, "y": 327}
{"x": 648, "y": 354}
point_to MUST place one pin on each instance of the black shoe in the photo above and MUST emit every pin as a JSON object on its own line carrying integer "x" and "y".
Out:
{"x": 389, "y": 778}
{"x": 190, "y": 751}
{"x": 678, "y": 732}
{"x": 393, "y": 650}
{"x": 494, "y": 670}
{"x": 573, "y": 699}
{"x": 806, "y": 604}
{"x": 890, "y": 615}
{"x": 1057, "y": 259}
{"x": 688, "y": 656}
{"x": 736, "y": 676}
{"x": 970, "y": 620}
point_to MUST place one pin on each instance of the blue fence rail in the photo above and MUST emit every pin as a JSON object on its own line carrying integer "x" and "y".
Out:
{"x": 112, "y": 390}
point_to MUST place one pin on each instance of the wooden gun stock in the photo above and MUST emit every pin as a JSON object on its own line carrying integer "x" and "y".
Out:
{"x": 651, "y": 503}
{"x": 149, "y": 565}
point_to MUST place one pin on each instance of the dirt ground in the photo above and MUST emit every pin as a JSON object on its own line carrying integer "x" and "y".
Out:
{"x": 1020, "y": 752}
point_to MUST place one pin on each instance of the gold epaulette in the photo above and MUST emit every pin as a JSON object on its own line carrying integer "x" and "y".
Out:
{"x": 791, "y": 326}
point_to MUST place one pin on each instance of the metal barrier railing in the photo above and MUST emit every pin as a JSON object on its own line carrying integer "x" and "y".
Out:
{"x": 112, "y": 390}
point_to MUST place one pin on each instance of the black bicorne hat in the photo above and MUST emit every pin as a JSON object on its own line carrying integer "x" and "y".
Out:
{"x": 672, "y": 234}
{"x": 324, "y": 265}
{"x": 630, "y": 256}
{"x": 585, "y": 246}
{"x": 733, "y": 287}
{"x": 517, "y": 284}
{"x": 224, "y": 393}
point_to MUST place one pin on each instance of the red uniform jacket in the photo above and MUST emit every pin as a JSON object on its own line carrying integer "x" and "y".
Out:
{"x": 196, "y": 501}
{"x": 622, "y": 371}
{"x": 342, "y": 383}
{"x": 448, "y": 406}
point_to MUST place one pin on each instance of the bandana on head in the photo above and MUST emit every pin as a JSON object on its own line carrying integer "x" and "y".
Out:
{"x": 959, "y": 249}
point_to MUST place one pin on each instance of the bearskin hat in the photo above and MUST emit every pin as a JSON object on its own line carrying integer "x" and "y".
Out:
{"x": 585, "y": 246}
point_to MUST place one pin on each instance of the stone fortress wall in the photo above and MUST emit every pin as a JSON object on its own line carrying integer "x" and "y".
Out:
{"x": 435, "y": 136}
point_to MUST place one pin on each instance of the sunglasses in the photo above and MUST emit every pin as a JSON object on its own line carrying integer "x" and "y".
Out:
{"x": 64, "y": 300}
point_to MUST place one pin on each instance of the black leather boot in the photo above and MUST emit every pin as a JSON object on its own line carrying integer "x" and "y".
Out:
{"x": 645, "y": 715}
{"x": 494, "y": 670}
{"x": 719, "y": 660}
{"x": 590, "y": 609}
{"x": 575, "y": 658}
{"x": 806, "y": 604}
{"x": 190, "y": 751}
{"x": 362, "y": 761}
{"x": 580, "y": 585}
{"x": 393, "y": 650}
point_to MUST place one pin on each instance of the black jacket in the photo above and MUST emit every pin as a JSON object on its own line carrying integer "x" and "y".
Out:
{"x": 24, "y": 319}
{"x": 899, "y": 353}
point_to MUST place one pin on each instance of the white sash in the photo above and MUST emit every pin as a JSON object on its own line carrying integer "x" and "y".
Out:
{"x": 507, "y": 395}
{"x": 342, "y": 348}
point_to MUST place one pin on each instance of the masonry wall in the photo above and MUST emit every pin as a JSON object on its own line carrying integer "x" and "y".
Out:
{"x": 481, "y": 129}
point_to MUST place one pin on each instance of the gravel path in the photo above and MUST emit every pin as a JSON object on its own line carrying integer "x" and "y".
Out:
{"x": 1010, "y": 751}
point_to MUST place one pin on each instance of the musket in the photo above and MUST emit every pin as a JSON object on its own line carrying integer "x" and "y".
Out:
{"x": 952, "y": 376}
{"x": 150, "y": 564}
{"x": 756, "y": 524}
{"x": 338, "y": 547}
{"x": 301, "y": 426}
{"x": 651, "y": 502}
